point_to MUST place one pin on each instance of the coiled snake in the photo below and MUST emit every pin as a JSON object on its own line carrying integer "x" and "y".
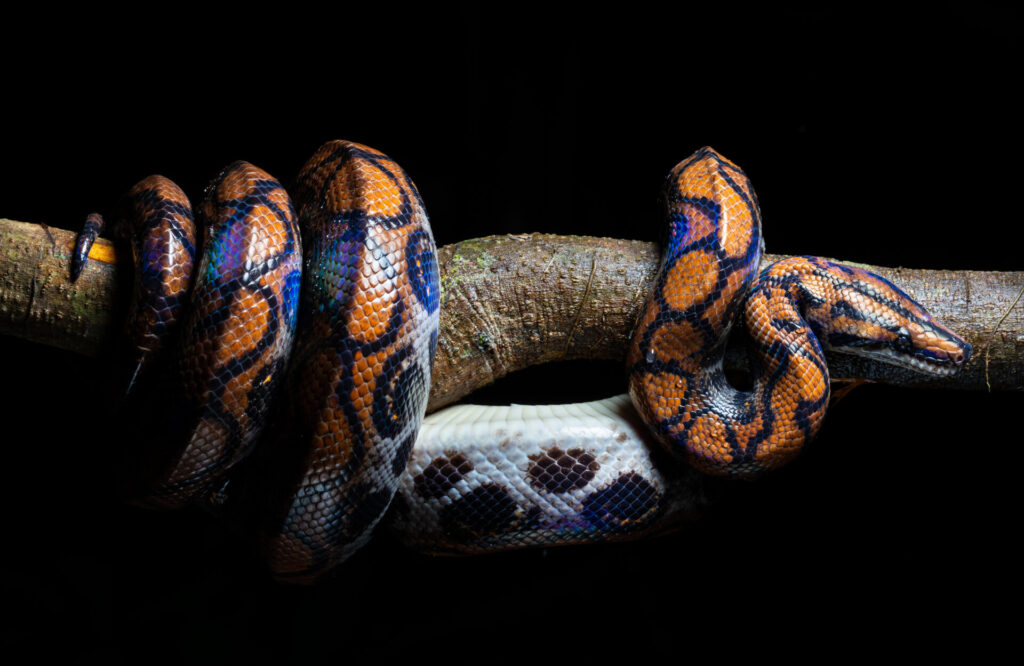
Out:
{"x": 349, "y": 306}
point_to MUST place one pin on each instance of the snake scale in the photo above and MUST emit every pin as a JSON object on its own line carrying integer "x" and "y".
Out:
{"x": 333, "y": 302}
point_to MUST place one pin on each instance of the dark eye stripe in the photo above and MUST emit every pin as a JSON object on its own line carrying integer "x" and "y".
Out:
{"x": 848, "y": 340}
{"x": 846, "y": 309}
{"x": 872, "y": 293}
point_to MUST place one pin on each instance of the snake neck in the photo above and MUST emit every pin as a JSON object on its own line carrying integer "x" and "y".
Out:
{"x": 744, "y": 433}
{"x": 724, "y": 431}
{"x": 790, "y": 394}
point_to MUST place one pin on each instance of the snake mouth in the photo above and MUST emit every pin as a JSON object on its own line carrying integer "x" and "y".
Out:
{"x": 939, "y": 362}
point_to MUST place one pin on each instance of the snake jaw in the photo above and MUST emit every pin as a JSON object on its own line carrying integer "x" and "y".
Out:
{"x": 924, "y": 347}
{"x": 930, "y": 366}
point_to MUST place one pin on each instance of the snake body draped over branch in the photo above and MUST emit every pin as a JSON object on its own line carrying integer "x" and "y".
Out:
{"x": 366, "y": 333}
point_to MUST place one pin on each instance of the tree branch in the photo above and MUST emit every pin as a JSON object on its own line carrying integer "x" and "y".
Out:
{"x": 509, "y": 302}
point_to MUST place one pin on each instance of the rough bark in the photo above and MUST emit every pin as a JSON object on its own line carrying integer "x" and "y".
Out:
{"x": 39, "y": 302}
{"x": 510, "y": 302}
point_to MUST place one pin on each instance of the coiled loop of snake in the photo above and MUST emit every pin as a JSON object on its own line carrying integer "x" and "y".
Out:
{"x": 794, "y": 309}
{"x": 367, "y": 324}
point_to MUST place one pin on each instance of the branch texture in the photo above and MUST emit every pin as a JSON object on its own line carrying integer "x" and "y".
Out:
{"x": 509, "y": 302}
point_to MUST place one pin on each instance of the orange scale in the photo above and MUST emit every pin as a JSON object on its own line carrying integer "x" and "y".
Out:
{"x": 373, "y": 326}
{"x": 363, "y": 410}
{"x": 235, "y": 395}
{"x": 342, "y": 205}
{"x": 251, "y": 313}
{"x": 735, "y": 285}
{"x": 814, "y": 384}
{"x": 677, "y": 341}
{"x": 344, "y": 181}
{"x": 365, "y": 379}
{"x": 281, "y": 198}
{"x": 331, "y": 411}
{"x": 746, "y": 431}
{"x": 178, "y": 274}
{"x": 360, "y": 315}
{"x": 783, "y": 404}
{"x": 385, "y": 198}
{"x": 699, "y": 223}
{"x": 736, "y": 234}
{"x": 665, "y": 392}
{"x": 337, "y": 446}
{"x": 680, "y": 428}
{"x": 320, "y": 443}
{"x": 688, "y": 280}
{"x": 866, "y": 328}
{"x": 781, "y": 307}
{"x": 709, "y": 434}
{"x": 355, "y": 328}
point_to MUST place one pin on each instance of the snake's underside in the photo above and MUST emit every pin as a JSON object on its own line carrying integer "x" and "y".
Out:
{"x": 484, "y": 479}
{"x": 360, "y": 298}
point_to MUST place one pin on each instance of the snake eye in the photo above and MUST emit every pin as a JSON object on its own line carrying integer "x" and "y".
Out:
{"x": 903, "y": 342}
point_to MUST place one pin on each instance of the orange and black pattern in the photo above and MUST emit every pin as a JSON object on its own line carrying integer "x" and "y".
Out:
{"x": 157, "y": 217}
{"x": 365, "y": 337}
{"x": 234, "y": 342}
{"x": 360, "y": 373}
{"x": 796, "y": 308}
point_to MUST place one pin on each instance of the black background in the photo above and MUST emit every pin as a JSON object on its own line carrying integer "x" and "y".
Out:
{"x": 871, "y": 134}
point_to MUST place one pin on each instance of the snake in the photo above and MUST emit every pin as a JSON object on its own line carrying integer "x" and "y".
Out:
{"x": 288, "y": 384}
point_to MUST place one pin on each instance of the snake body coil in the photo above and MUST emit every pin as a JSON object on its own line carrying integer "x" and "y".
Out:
{"x": 359, "y": 376}
{"x": 795, "y": 308}
{"x": 163, "y": 242}
{"x": 234, "y": 341}
{"x": 485, "y": 479}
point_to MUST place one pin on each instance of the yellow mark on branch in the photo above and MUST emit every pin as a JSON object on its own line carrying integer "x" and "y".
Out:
{"x": 103, "y": 252}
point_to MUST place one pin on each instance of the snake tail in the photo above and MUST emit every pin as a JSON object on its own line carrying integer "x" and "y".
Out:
{"x": 91, "y": 230}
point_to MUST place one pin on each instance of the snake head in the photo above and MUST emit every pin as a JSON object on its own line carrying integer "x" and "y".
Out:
{"x": 855, "y": 311}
